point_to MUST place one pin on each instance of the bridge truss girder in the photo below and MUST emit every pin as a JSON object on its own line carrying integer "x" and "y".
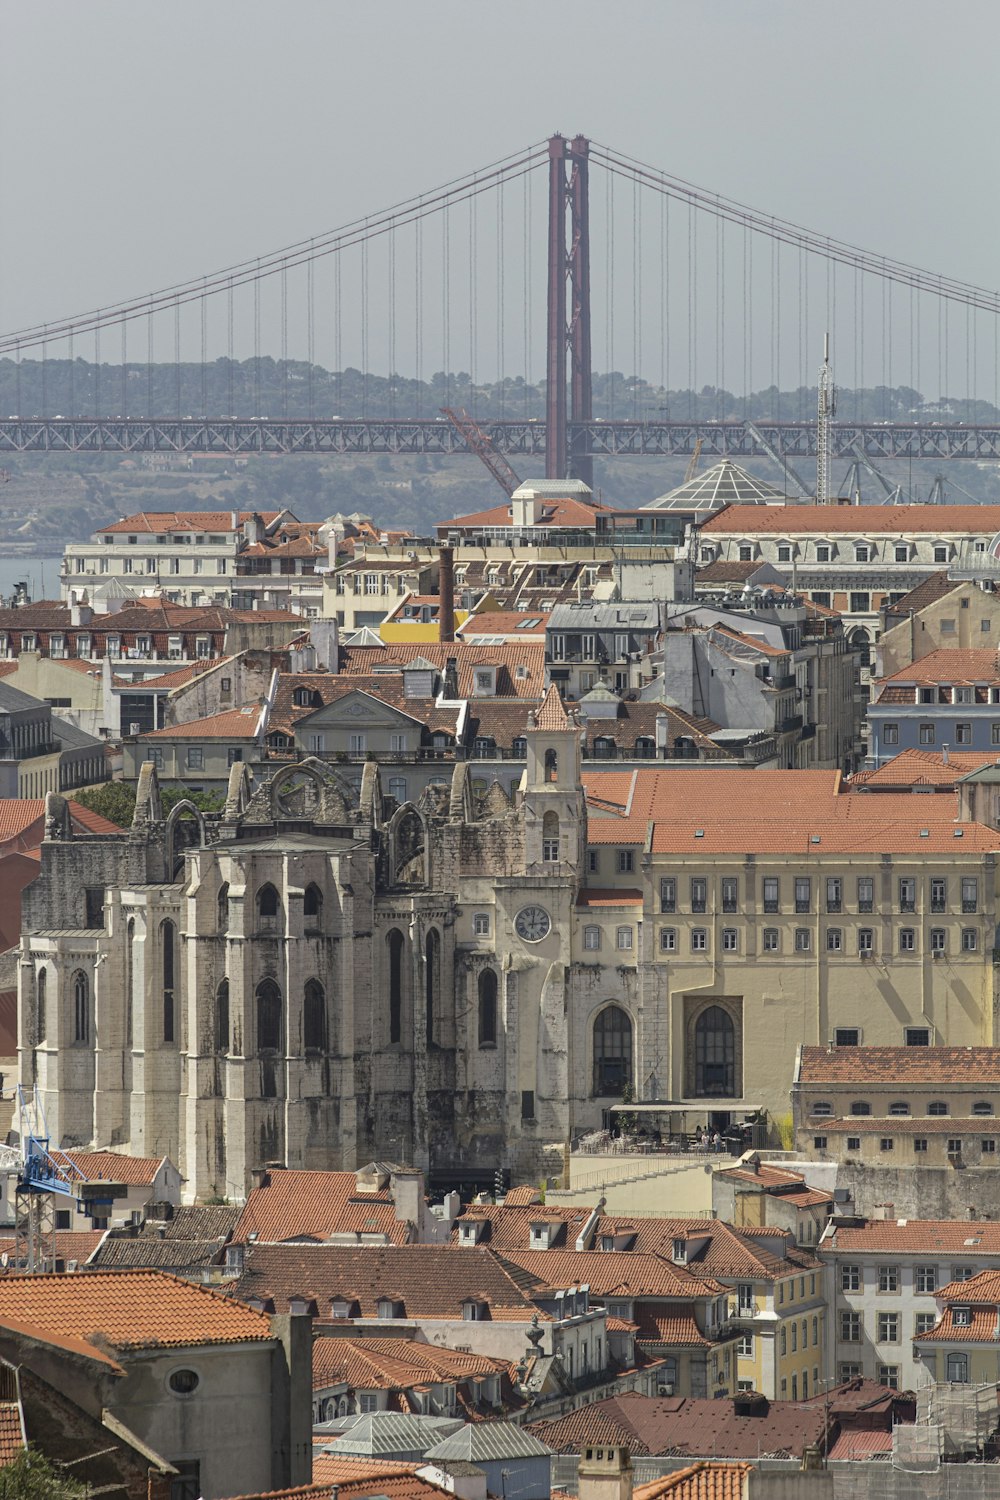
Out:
{"x": 737, "y": 440}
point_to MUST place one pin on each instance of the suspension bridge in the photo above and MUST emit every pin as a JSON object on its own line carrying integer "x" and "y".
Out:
{"x": 691, "y": 291}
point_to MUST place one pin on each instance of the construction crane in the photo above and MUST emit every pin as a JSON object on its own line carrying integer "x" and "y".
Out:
{"x": 46, "y": 1174}
{"x": 478, "y": 442}
{"x": 826, "y": 405}
{"x": 692, "y": 467}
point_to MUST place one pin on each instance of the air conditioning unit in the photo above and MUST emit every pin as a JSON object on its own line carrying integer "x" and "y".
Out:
{"x": 664, "y": 1387}
{"x": 134, "y": 728}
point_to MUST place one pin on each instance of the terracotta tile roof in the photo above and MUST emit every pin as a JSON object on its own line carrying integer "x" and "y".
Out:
{"x": 508, "y": 658}
{"x": 683, "y": 1426}
{"x": 928, "y": 591}
{"x": 501, "y": 720}
{"x": 702, "y": 1481}
{"x": 294, "y": 1205}
{"x": 915, "y": 767}
{"x": 951, "y": 665}
{"x": 70, "y": 1244}
{"x": 520, "y": 1195}
{"x": 17, "y": 814}
{"x": 156, "y": 521}
{"x": 725, "y": 570}
{"x": 231, "y": 724}
{"x": 567, "y": 512}
{"x": 639, "y": 720}
{"x": 589, "y": 898}
{"x": 11, "y": 1436}
{"x": 520, "y": 624}
{"x": 431, "y": 1281}
{"x": 131, "y": 1309}
{"x": 551, "y": 714}
{"x": 983, "y": 1288}
{"x": 859, "y": 1444}
{"x": 882, "y": 1066}
{"x": 507, "y": 1226}
{"x": 715, "y": 1249}
{"x": 677, "y": 1327}
{"x": 80, "y": 1348}
{"x": 326, "y": 687}
{"x": 856, "y": 520}
{"x": 632, "y": 1274}
{"x": 330, "y": 1468}
{"x": 983, "y": 1328}
{"x": 961, "y": 1237}
{"x": 167, "y": 681}
{"x": 774, "y": 812}
{"x": 114, "y": 1166}
{"x": 395, "y": 1363}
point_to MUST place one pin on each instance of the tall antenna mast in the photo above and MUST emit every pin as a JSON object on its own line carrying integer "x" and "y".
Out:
{"x": 825, "y": 405}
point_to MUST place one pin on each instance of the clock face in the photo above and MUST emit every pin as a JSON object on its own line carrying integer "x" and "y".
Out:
{"x": 532, "y": 924}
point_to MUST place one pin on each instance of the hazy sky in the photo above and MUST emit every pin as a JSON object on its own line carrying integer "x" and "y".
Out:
{"x": 144, "y": 143}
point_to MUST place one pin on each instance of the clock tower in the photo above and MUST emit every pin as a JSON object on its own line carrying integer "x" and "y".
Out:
{"x": 554, "y": 807}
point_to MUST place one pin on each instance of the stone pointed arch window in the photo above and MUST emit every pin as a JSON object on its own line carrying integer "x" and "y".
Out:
{"x": 268, "y": 999}
{"x": 394, "y": 961}
{"x": 314, "y": 1017}
{"x": 80, "y": 986}
{"x": 487, "y": 1008}
{"x": 312, "y": 905}
{"x": 715, "y": 1054}
{"x": 268, "y": 908}
{"x": 222, "y": 907}
{"x": 222, "y": 1017}
{"x": 432, "y": 983}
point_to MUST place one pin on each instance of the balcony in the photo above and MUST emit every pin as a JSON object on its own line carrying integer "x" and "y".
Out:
{"x": 790, "y": 724}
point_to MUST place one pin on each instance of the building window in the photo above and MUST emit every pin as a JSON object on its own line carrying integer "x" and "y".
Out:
{"x": 833, "y": 939}
{"x": 432, "y": 982}
{"x": 919, "y": 1143}
{"x": 81, "y": 1007}
{"x": 988, "y": 1146}
{"x": 730, "y": 940}
{"x": 314, "y": 1017}
{"x": 771, "y": 940}
{"x": 954, "y": 1146}
{"x": 394, "y": 954}
{"x": 917, "y": 1036}
{"x": 961, "y": 1273}
{"x": 866, "y": 893}
{"x": 923, "y": 1323}
{"x": 886, "y": 1143}
{"x": 907, "y": 940}
{"x": 982, "y": 1107}
{"x": 970, "y": 940}
{"x": 850, "y": 1278}
{"x": 222, "y": 1017}
{"x": 771, "y": 893}
{"x": 908, "y": 895}
{"x": 890, "y": 734}
{"x": 397, "y": 789}
{"x": 854, "y": 1143}
{"x": 612, "y": 1052}
{"x": 888, "y": 1375}
{"x": 803, "y": 940}
{"x": 668, "y": 940}
{"x": 963, "y": 734}
{"x": 592, "y": 938}
{"x": 744, "y": 1346}
{"x": 939, "y": 940}
{"x": 819, "y": 1142}
{"x": 888, "y": 1278}
{"x": 746, "y": 552}
{"x": 41, "y": 989}
{"x": 862, "y": 552}
{"x": 925, "y": 734}
{"x": 866, "y": 940}
{"x": 803, "y": 893}
{"x": 850, "y": 1328}
{"x": 699, "y": 940}
{"x": 268, "y": 1016}
{"x": 699, "y": 895}
{"x": 481, "y": 924}
{"x": 550, "y": 838}
{"x": 730, "y": 893}
{"x": 970, "y": 894}
{"x": 939, "y": 895}
{"x": 715, "y": 1054}
{"x": 859, "y": 604}
{"x": 626, "y": 861}
{"x": 925, "y": 1278}
{"x": 957, "y": 1369}
{"x": 623, "y": 939}
{"x": 834, "y": 895}
{"x": 860, "y": 1107}
{"x": 899, "y": 1107}
{"x": 822, "y": 1109}
{"x": 268, "y": 908}
{"x": 168, "y": 935}
{"x": 312, "y": 904}
{"x": 668, "y": 895}
{"x": 487, "y": 1008}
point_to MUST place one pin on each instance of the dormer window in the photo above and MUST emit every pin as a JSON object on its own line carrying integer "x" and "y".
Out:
{"x": 470, "y": 1232}
{"x": 302, "y": 697}
{"x": 862, "y": 552}
{"x": 390, "y": 1307}
{"x": 961, "y": 1317}
{"x": 680, "y": 1252}
{"x": 541, "y": 1235}
{"x": 484, "y": 682}
{"x": 340, "y": 1308}
{"x": 473, "y": 1311}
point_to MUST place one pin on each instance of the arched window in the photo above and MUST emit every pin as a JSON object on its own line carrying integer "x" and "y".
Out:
{"x": 487, "y": 1008}
{"x": 222, "y": 1017}
{"x": 612, "y": 1051}
{"x": 715, "y": 1054}
{"x": 550, "y": 837}
{"x": 551, "y": 766}
{"x": 268, "y": 908}
{"x": 314, "y": 1017}
{"x": 41, "y": 988}
{"x": 168, "y": 935}
{"x": 129, "y": 978}
{"x": 81, "y": 1007}
{"x": 432, "y": 980}
{"x": 604, "y": 747}
{"x": 394, "y": 954}
{"x": 268, "y": 1016}
{"x": 312, "y": 904}
{"x": 223, "y": 906}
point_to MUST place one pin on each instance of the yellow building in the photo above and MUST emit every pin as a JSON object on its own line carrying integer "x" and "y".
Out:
{"x": 963, "y": 1347}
